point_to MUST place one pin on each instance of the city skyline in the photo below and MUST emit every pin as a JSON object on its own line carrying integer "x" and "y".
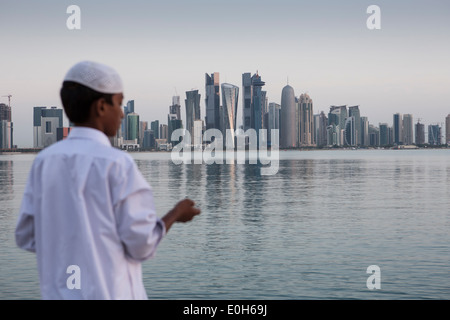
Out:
{"x": 162, "y": 49}
{"x": 300, "y": 126}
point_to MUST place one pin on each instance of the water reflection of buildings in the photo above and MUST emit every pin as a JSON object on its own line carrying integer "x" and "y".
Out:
{"x": 215, "y": 188}
{"x": 6, "y": 180}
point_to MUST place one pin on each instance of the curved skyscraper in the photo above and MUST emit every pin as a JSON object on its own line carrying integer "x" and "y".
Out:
{"x": 287, "y": 114}
{"x": 230, "y": 94}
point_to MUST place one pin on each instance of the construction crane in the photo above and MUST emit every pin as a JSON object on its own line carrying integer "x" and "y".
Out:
{"x": 9, "y": 99}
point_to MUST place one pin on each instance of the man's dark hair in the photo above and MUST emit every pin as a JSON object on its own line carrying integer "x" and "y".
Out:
{"x": 77, "y": 100}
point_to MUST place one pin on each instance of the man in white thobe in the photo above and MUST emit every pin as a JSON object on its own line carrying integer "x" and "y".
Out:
{"x": 87, "y": 212}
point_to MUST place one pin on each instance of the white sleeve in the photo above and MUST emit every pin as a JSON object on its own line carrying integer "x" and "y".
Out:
{"x": 25, "y": 226}
{"x": 139, "y": 228}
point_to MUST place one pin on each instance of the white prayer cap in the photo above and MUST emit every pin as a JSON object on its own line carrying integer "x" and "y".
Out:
{"x": 96, "y": 76}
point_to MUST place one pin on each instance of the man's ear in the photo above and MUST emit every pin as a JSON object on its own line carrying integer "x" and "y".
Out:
{"x": 99, "y": 107}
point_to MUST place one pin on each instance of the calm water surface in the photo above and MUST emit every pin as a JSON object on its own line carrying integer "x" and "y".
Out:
{"x": 308, "y": 232}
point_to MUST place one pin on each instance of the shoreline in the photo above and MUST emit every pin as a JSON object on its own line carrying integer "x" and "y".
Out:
{"x": 413, "y": 147}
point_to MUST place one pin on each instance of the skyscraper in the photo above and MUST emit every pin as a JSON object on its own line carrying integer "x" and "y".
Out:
{"x": 212, "y": 101}
{"x": 247, "y": 101}
{"x": 45, "y": 126}
{"x": 5, "y": 112}
{"x": 254, "y": 102}
{"x": 354, "y": 112}
{"x": 350, "y": 131}
{"x": 306, "y": 121}
{"x": 374, "y": 136}
{"x": 6, "y": 127}
{"x": 273, "y": 120}
{"x": 321, "y": 129}
{"x": 197, "y": 137}
{"x": 384, "y": 134}
{"x": 143, "y": 126}
{"x": 336, "y": 125}
{"x": 398, "y": 129}
{"x": 174, "y": 121}
{"x": 132, "y": 126}
{"x": 230, "y": 96}
{"x": 173, "y": 124}
{"x": 149, "y": 140}
{"x": 338, "y": 116}
{"x": 420, "y": 133}
{"x": 408, "y": 132}
{"x": 175, "y": 109}
{"x": 164, "y": 131}
{"x": 259, "y": 102}
{"x": 333, "y": 135}
{"x": 192, "y": 103}
{"x": 129, "y": 108}
{"x": 288, "y": 138}
{"x": 154, "y": 126}
{"x": 434, "y": 135}
{"x": 365, "y": 131}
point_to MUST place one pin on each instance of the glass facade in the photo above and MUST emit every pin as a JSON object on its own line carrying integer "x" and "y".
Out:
{"x": 133, "y": 126}
{"x": 306, "y": 121}
{"x": 354, "y": 112}
{"x": 398, "y": 128}
{"x": 230, "y": 96}
{"x": 434, "y": 135}
{"x": 247, "y": 101}
{"x": 212, "y": 101}
{"x": 192, "y": 102}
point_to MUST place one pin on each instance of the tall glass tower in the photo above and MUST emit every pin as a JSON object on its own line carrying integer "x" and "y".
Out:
{"x": 259, "y": 102}
{"x": 175, "y": 108}
{"x": 212, "y": 101}
{"x": 408, "y": 129}
{"x": 174, "y": 119}
{"x": 247, "y": 101}
{"x": 354, "y": 112}
{"x": 384, "y": 134}
{"x": 129, "y": 108}
{"x": 434, "y": 134}
{"x": 132, "y": 126}
{"x": 230, "y": 95}
{"x": 192, "y": 102}
{"x": 306, "y": 121}
{"x": 420, "y": 133}
{"x": 365, "y": 132}
{"x": 350, "y": 132}
{"x": 6, "y": 127}
{"x": 398, "y": 128}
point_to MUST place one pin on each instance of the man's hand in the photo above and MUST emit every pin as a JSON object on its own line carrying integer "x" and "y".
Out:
{"x": 184, "y": 211}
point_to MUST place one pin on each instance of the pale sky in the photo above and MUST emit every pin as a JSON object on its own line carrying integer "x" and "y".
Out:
{"x": 164, "y": 48}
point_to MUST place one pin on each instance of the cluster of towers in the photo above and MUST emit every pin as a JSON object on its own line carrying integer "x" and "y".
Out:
{"x": 294, "y": 119}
